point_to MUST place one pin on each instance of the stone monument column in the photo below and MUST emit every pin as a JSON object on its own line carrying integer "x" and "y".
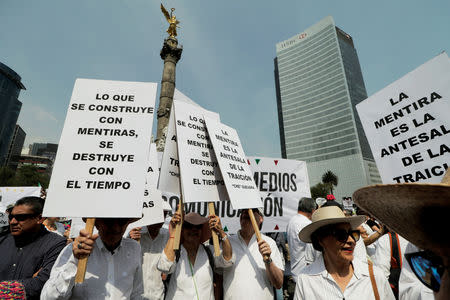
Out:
{"x": 171, "y": 54}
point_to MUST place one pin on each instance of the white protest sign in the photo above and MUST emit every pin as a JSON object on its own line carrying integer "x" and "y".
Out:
{"x": 201, "y": 180}
{"x": 76, "y": 225}
{"x": 169, "y": 178}
{"x": 407, "y": 124}
{"x": 238, "y": 178}
{"x": 10, "y": 194}
{"x": 102, "y": 157}
{"x": 284, "y": 181}
{"x": 152, "y": 209}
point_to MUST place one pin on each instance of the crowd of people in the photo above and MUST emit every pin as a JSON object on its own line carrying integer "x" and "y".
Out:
{"x": 325, "y": 253}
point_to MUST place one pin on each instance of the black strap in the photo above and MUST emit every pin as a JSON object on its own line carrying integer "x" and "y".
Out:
{"x": 396, "y": 263}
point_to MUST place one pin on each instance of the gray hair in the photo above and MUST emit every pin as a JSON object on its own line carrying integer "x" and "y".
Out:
{"x": 307, "y": 205}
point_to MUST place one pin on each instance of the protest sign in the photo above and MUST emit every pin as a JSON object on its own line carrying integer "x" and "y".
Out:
{"x": 4, "y": 220}
{"x": 201, "y": 180}
{"x": 407, "y": 124}
{"x": 152, "y": 209}
{"x": 102, "y": 158}
{"x": 169, "y": 179}
{"x": 10, "y": 194}
{"x": 236, "y": 174}
{"x": 284, "y": 181}
{"x": 76, "y": 225}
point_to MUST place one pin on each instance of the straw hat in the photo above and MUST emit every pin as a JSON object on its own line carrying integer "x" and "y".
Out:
{"x": 418, "y": 212}
{"x": 326, "y": 216}
{"x": 195, "y": 219}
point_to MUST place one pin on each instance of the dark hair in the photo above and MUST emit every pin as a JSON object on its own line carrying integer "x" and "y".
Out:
{"x": 35, "y": 203}
{"x": 307, "y": 205}
{"x": 332, "y": 203}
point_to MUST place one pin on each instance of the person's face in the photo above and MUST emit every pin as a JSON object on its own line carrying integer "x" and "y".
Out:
{"x": 111, "y": 230}
{"x": 245, "y": 219}
{"x": 28, "y": 221}
{"x": 191, "y": 233}
{"x": 336, "y": 250}
{"x": 154, "y": 228}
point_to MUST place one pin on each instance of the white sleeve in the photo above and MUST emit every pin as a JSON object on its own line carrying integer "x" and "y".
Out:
{"x": 299, "y": 295}
{"x": 165, "y": 265}
{"x": 220, "y": 262}
{"x": 62, "y": 276}
{"x": 276, "y": 256}
{"x": 409, "y": 285}
{"x": 138, "y": 285}
{"x": 382, "y": 257}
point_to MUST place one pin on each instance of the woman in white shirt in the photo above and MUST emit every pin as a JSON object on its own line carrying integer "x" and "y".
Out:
{"x": 192, "y": 269}
{"x": 336, "y": 274}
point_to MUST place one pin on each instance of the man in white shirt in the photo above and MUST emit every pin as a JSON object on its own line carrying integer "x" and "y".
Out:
{"x": 252, "y": 277}
{"x": 113, "y": 270}
{"x": 301, "y": 253}
{"x": 152, "y": 241}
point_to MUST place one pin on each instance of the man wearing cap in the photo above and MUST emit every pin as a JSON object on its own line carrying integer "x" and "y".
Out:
{"x": 114, "y": 267}
{"x": 302, "y": 253}
{"x": 152, "y": 245}
{"x": 252, "y": 276}
{"x": 192, "y": 268}
{"x": 28, "y": 251}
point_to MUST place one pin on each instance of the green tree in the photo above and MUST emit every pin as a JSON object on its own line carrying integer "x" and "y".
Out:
{"x": 330, "y": 179}
{"x": 7, "y": 176}
{"x": 319, "y": 190}
{"x": 30, "y": 176}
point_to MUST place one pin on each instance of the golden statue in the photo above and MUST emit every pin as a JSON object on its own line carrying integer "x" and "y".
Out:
{"x": 173, "y": 22}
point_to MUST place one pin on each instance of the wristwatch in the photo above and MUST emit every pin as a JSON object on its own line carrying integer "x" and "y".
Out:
{"x": 268, "y": 261}
{"x": 224, "y": 238}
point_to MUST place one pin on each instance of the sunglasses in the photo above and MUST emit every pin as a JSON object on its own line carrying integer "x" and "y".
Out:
{"x": 342, "y": 235}
{"x": 187, "y": 225}
{"x": 427, "y": 267}
{"x": 21, "y": 217}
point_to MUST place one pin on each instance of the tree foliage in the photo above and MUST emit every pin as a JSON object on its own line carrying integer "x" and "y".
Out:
{"x": 330, "y": 179}
{"x": 319, "y": 190}
{"x": 25, "y": 176}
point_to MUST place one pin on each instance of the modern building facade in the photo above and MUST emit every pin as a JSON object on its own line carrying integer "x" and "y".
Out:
{"x": 10, "y": 86}
{"x": 15, "y": 147}
{"x": 43, "y": 149}
{"x": 318, "y": 82}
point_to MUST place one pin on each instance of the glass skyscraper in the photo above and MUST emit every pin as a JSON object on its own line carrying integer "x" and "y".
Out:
{"x": 10, "y": 86}
{"x": 318, "y": 82}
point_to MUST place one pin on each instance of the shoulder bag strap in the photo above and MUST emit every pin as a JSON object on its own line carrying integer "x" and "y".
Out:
{"x": 374, "y": 283}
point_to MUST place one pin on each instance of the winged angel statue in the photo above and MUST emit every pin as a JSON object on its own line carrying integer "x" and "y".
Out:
{"x": 173, "y": 22}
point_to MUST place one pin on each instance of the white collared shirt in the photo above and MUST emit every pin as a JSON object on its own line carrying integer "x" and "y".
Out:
{"x": 247, "y": 278}
{"x": 151, "y": 251}
{"x": 108, "y": 276}
{"x": 301, "y": 253}
{"x": 192, "y": 281}
{"x": 409, "y": 286}
{"x": 316, "y": 283}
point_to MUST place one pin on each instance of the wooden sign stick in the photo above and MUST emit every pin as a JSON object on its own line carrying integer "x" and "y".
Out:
{"x": 256, "y": 228}
{"x": 180, "y": 210}
{"x": 82, "y": 263}
{"x": 215, "y": 237}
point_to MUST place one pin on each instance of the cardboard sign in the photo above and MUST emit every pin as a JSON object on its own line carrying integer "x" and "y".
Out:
{"x": 284, "y": 181}
{"x": 238, "y": 178}
{"x": 201, "y": 180}
{"x": 152, "y": 209}
{"x": 102, "y": 157}
{"x": 10, "y": 194}
{"x": 408, "y": 125}
{"x": 169, "y": 179}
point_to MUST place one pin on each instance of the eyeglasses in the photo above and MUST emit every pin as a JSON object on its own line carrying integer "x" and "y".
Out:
{"x": 427, "y": 267}
{"x": 342, "y": 235}
{"x": 187, "y": 225}
{"x": 21, "y": 217}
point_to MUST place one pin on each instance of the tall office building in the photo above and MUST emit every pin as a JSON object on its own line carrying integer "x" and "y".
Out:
{"x": 43, "y": 149}
{"x": 10, "y": 86}
{"x": 318, "y": 82}
{"x": 15, "y": 147}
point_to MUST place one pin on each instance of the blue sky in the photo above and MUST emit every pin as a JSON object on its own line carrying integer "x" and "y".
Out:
{"x": 227, "y": 61}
